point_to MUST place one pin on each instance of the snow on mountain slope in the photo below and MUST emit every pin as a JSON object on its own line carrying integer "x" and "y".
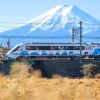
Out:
{"x": 57, "y": 22}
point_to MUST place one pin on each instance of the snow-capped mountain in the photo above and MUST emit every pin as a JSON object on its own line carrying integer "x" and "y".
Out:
{"x": 57, "y": 22}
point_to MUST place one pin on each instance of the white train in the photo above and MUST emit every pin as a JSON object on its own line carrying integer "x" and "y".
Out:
{"x": 53, "y": 50}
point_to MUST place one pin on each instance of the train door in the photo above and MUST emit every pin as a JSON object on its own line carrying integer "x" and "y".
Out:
{"x": 87, "y": 50}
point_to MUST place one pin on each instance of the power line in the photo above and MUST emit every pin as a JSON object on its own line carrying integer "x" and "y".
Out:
{"x": 47, "y": 37}
{"x": 88, "y": 23}
{"x": 36, "y": 37}
{"x": 45, "y": 25}
{"x": 33, "y": 23}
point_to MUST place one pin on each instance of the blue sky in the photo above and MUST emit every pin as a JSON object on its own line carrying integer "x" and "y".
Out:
{"x": 24, "y": 10}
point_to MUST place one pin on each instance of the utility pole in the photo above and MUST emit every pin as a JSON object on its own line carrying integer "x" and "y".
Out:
{"x": 80, "y": 61}
{"x": 73, "y": 36}
{"x": 8, "y": 43}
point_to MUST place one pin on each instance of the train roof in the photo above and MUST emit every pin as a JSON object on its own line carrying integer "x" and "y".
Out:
{"x": 95, "y": 43}
{"x": 52, "y": 43}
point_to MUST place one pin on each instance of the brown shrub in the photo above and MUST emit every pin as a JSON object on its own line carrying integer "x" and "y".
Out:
{"x": 97, "y": 76}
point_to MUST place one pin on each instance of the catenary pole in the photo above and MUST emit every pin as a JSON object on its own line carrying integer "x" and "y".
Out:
{"x": 73, "y": 36}
{"x": 80, "y": 60}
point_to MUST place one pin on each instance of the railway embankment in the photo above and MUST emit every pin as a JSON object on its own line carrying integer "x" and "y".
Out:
{"x": 64, "y": 68}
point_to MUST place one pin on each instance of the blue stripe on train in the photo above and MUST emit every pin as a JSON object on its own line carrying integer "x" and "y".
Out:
{"x": 51, "y": 54}
{"x": 24, "y": 53}
{"x": 34, "y": 54}
{"x": 44, "y": 54}
{"x": 96, "y": 52}
{"x": 64, "y": 53}
{"x": 85, "y": 53}
{"x": 70, "y": 52}
{"x": 57, "y": 54}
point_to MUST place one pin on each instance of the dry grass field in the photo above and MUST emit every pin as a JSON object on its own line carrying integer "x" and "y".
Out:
{"x": 32, "y": 88}
{"x": 22, "y": 85}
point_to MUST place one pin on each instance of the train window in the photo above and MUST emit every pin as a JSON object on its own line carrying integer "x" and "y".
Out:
{"x": 17, "y": 48}
{"x": 62, "y": 48}
{"x": 37, "y": 48}
{"x": 43, "y": 48}
{"x": 59, "y": 48}
{"x": 31, "y": 48}
{"x": 77, "y": 48}
{"x": 83, "y": 47}
{"x": 70, "y": 47}
{"x": 66, "y": 47}
{"x": 52, "y": 48}
{"x": 74, "y": 48}
{"x": 27, "y": 47}
{"x": 56, "y": 47}
{"x": 90, "y": 47}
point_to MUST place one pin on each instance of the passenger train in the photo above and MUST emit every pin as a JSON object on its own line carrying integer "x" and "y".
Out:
{"x": 53, "y": 50}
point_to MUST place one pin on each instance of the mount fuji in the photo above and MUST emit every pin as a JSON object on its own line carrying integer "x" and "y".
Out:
{"x": 54, "y": 26}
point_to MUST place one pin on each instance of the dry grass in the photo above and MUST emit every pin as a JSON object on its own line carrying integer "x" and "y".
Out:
{"x": 21, "y": 85}
{"x": 32, "y": 88}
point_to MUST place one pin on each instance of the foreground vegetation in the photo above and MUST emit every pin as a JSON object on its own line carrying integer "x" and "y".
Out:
{"x": 23, "y": 83}
{"x": 32, "y": 88}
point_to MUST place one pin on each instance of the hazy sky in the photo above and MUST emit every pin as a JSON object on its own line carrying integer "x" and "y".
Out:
{"x": 23, "y": 10}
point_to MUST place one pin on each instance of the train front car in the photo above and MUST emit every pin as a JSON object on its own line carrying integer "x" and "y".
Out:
{"x": 14, "y": 52}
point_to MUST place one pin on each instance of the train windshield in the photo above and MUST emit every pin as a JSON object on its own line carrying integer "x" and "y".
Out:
{"x": 14, "y": 49}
